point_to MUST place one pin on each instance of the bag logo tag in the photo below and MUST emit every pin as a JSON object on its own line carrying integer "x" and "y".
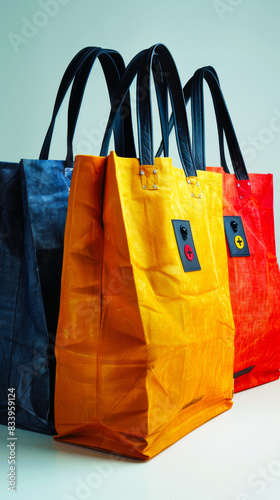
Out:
{"x": 236, "y": 237}
{"x": 186, "y": 247}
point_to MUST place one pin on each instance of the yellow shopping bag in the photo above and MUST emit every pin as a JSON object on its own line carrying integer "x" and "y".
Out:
{"x": 155, "y": 360}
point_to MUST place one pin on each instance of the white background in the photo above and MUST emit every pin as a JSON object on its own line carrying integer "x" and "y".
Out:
{"x": 237, "y": 455}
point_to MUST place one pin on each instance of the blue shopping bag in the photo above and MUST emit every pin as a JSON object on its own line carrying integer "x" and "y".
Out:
{"x": 33, "y": 207}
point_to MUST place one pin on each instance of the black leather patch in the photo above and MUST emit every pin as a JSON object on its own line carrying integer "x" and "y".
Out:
{"x": 236, "y": 237}
{"x": 187, "y": 251}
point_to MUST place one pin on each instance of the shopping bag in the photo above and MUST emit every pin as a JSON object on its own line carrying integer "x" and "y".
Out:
{"x": 249, "y": 227}
{"x": 33, "y": 200}
{"x": 149, "y": 356}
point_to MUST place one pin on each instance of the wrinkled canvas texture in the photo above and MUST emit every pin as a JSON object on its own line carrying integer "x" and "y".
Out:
{"x": 33, "y": 200}
{"x": 254, "y": 280}
{"x": 144, "y": 350}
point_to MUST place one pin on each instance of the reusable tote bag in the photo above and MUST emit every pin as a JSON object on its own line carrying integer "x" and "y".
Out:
{"x": 253, "y": 269}
{"x": 33, "y": 199}
{"x": 158, "y": 361}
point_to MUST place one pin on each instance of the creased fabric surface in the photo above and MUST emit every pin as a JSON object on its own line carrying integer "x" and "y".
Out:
{"x": 254, "y": 280}
{"x": 33, "y": 199}
{"x": 151, "y": 358}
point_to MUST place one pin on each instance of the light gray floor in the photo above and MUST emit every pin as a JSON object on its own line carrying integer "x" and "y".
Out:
{"x": 235, "y": 456}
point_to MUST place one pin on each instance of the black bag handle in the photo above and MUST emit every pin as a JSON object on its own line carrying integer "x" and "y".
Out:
{"x": 79, "y": 68}
{"x": 187, "y": 96}
{"x": 113, "y": 67}
{"x": 199, "y": 138}
{"x": 194, "y": 87}
{"x": 208, "y": 73}
{"x": 162, "y": 99}
{"x": 65, "y": 83}
{"x": 119, "y": 102}
{"x": 187, "y": 90}
{"x": 142, "y": 65}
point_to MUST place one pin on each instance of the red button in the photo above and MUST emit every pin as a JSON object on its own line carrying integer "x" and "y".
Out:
{"x": 189, "y": 252}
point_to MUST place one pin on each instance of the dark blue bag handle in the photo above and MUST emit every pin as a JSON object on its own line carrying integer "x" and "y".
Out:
{"x": 65, "y": 83}
{"x": 113, "y": 67}
{"x": 194, "y": 90}
{"x": 187, "y": 90}
{"x": 199, "y": 129}
{"x": 224, "y": 122}
{"x": 79, "y": 68}
{"x": 156, "y": 58}
{"x": 143, "y": 92}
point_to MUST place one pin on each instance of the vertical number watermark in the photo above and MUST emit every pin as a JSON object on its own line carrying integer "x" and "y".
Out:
{"x": 11, "y": 439}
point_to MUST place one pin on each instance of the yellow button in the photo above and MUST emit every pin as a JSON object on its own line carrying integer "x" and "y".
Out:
{"x": 239, "y": 242}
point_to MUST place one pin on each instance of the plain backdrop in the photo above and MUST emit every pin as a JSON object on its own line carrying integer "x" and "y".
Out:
{"x": 240, "y": 38}
{"x": 236, "y": 456}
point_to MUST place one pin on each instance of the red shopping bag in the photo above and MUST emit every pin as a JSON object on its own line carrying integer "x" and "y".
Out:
{"x": 249, "y": 229}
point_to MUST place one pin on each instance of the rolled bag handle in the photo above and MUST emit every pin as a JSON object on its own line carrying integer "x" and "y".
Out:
{"x": 113, "y": 67}
{"x": 120, "y": 96}
{"x": 187, "y": 91}
{"x": 224, "y": 122}
{"x": 194, "y": 90}
{"x": 79, "y": 68}
{"x": 141, "y": 65}
{"x": 65, "y": 83}
{"x": 198, "y": 138}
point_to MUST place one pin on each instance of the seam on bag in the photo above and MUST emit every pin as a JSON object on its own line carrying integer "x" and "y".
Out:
{"x": 14, "y": 322}
{"x": 28, "y": 226}
{"x": 101, "y": 310}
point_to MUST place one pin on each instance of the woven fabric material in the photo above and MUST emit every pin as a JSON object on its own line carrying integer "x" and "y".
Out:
{"x": 33, "y": 201}
{"x": 254, "y": 280}
{"x": 151, "y": 358}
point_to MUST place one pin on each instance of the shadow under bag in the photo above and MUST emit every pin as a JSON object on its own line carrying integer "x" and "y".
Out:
{"x": 147, "y": 356}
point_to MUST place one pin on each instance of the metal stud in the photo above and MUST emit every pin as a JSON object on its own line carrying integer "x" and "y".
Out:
{"x": 192, "y": 194}
{"x": 189, "y": 182}
{"x": 142, "y": 172}
{"x": 238, "y": 185}
{"x": 241, "y": 197}
{"x": 249, "y": 183}
{"x": 197, "y": 183}
{"x": 144, "y": 187}
{"x": 154, "y": 186}
{"x": 155, "y": 171}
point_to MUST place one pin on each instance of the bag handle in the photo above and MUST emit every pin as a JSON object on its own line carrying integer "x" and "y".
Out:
{"x": 237, "y": 160}
{"x": 194, "y": 89}
{"x": 187, "y": 90}
{"x": 187, "y": 96}
{"x": 142, "y": 65}
{"x": 65, "y": 83}
{"x": 199, "y": 138}
{"x": 120, "y": 102}
{"x": 113, "y": 67}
